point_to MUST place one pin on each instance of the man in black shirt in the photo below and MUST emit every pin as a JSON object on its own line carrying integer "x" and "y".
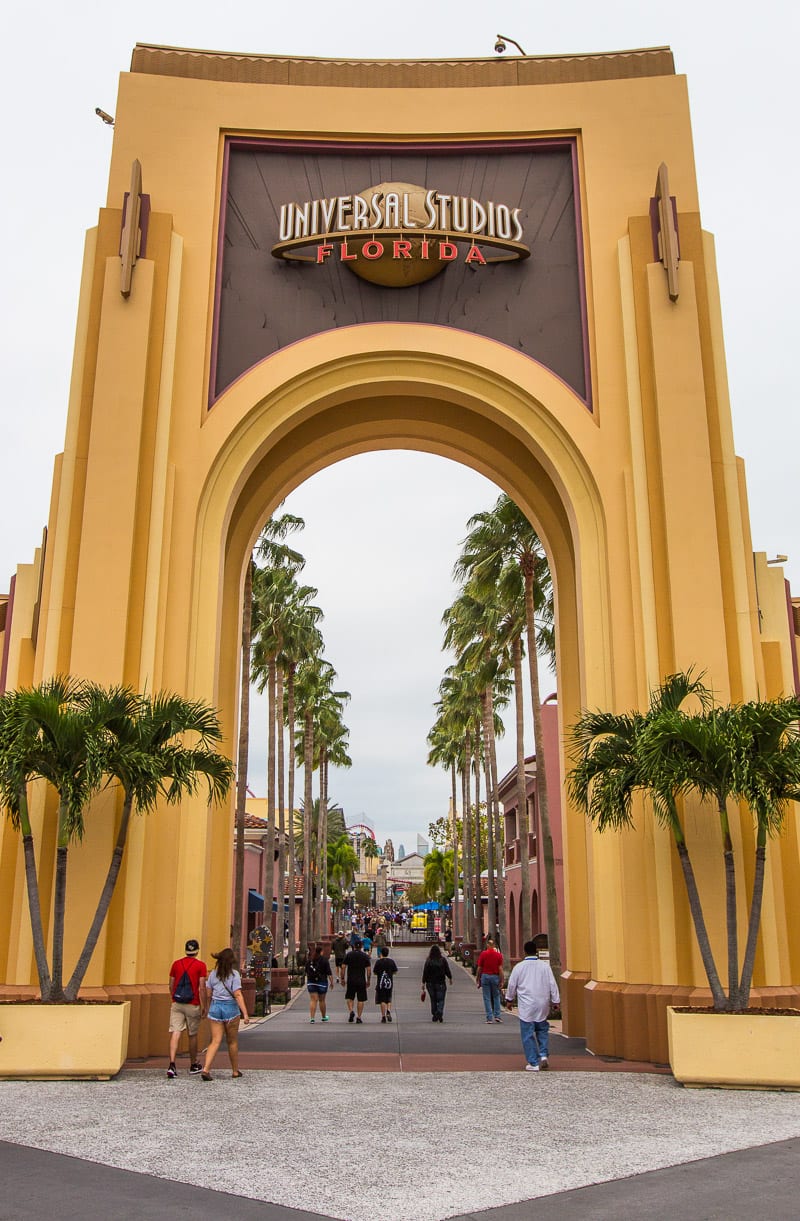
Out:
{"x": 385, "y": 970}
{"x": 357, "y": 968}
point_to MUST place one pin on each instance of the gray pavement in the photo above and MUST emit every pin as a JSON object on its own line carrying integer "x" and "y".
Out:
{"x": 411, "y": 1032}
{"x": 401, "y": 1146}
{"x": 754, "y": 1182}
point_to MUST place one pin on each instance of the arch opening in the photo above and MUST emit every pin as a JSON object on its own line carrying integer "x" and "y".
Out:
{"x": 285, "y": 430}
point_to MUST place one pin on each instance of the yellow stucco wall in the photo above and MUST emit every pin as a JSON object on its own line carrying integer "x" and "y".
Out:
{"x": 157, "y": 501}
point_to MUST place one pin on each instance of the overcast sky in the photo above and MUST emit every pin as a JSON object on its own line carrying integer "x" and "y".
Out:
{"x": 383, "y": 575}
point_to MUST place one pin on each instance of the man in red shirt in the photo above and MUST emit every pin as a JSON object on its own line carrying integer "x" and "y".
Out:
{"x": 189, "y": 1002}
{"x": 489, "y": 976}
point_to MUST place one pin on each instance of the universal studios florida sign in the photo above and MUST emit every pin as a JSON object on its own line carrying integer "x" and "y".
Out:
{"x": 397, "y": 234}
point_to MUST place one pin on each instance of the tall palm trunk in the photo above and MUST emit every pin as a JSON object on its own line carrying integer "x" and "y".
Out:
{"x": 290, "y": 804}
{"x": 730, "y": 907}
{"x": 242, "y": 758}
{"x": 488, "y": 738}
{"x": 553, "y": 921}
{"x": 56, "y": 994}
{"x": 523, "y": 824}
{"x": 502, "y": 910}
{"x": 320, "y": 847}
{"x": 755, "y": 917}
{"x": 468, "y": 923}
{"x": 454, "y": 839}
{"x": 324, "y": 770}
{"x": 701, "y": 932}
{"x": 281, "y": 814}
{"x": 478, "y": 935}
{"x": 34, "y": 901}
{"x": 308, "y": 815}
{"x": 103, "y": 904}
{"x": 269, "y": 871}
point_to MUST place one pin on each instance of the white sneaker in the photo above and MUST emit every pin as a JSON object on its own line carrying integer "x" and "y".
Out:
{"x": 543, "y": 1063}
{"x": 531, "y": 1068}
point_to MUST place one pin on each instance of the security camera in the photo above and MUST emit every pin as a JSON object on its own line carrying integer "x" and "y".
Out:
{"x": 101, "y": 114}
{"x": 499, "y": 46}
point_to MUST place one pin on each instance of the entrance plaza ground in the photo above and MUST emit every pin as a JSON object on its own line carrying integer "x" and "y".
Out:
{"x": 301, "y": 1136}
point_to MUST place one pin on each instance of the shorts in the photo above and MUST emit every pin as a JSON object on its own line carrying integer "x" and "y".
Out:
{"x": 184, "y": 1017}
{"x": 320, "y": 989}
{"x": 356, "y": 992}
{"x": 223, "y": 1011}
{"x": 383, "y": 996}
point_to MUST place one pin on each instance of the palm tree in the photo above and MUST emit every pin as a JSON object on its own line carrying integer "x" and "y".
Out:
{"x": 272, "y": 548}
{"x": 438, "y": 875}
{"x": 451, "y": 741}
{"x": 511, "y": 596}
{"x": 748, "y": 752}
{"x": 242, "y": 757}
{"x": 331, "y": 739}
{"x": 276, "y": 596}
{"x": 446, "y": 751}
{"x": 496, "y": 537}
{"x": 301, "y": 638}
{"x": 342, "y": 862}
{"x": 50, "y": 735}
{"x": 78, "y": 737}
{"x": 608, "y": 771}
{"x": 472, "y": 625}
{"x": 159, "y": 747}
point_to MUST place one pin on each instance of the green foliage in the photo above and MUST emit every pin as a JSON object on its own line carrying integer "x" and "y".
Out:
{"x": 363, "y": 894}
{"x": 79, "y": 738}
{"x": 438, "y": 883}
{"x": 415, "y": 894}
{"x": 742, "y": 753}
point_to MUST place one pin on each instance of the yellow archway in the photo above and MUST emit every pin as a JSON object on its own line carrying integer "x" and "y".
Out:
{"x": 640, "y": 502}
{"x": 400, "y": 388}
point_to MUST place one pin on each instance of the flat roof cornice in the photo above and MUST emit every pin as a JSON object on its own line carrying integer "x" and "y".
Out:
{"x": 401, "y": 74}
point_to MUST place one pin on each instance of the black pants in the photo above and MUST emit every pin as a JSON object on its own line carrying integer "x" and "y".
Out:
{"x": 437, "y": 993}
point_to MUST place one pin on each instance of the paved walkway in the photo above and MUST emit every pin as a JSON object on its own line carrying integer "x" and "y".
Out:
{"x": 400, "y": 1145}
{"x": 464, "y": 1042}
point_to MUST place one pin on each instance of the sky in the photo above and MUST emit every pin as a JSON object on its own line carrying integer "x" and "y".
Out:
{"x": 383, "y": 577}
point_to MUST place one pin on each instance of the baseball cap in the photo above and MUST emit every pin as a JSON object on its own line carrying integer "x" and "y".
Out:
{"x": 192, "y": 946}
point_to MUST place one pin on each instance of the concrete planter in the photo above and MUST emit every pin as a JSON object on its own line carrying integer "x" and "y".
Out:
{"x": 735, "y": 1050}
{"x": 63, "y": 1042}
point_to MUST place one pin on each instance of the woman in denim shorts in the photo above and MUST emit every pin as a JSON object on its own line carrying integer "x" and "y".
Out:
{"x": 226, "y": 1008}
{"x": 318, "y": 978}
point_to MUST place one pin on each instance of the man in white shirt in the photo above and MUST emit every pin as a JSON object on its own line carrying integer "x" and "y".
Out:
{"x": 534, "y": 986}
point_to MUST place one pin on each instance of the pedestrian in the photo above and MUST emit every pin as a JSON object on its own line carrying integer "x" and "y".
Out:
{"x": 435, "y": 975}
{"x": 318, "y": 973}
{"x": 357, "y": 971}
{"x": 225, "y": 1009}
{"x": 366, "y": 945}
{"x": 489, "y": 977}
{"x": 187, "y": 988}
{"x": 339, "y": 947}
{"x": 380, "y": 938}
{"x": 385, "y": 971}
{"x": 534, "y": 986}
